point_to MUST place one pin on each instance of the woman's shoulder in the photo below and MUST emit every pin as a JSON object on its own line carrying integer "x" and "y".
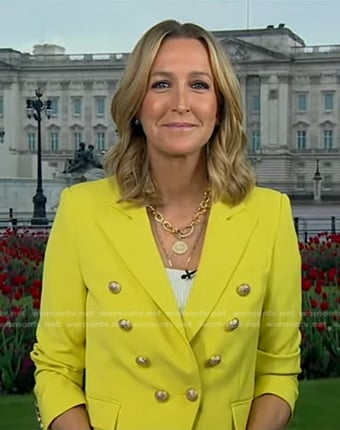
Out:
{"x": 95, "y": 192}
{"x": 100, "y": 187}
{"x": 266, "y": 199}
{"x": 265, "y": 193}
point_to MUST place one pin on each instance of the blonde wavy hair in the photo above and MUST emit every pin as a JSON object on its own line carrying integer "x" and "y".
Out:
{"x": 229, "y": 173}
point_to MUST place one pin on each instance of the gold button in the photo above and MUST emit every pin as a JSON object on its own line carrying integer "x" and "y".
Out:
{"x": 143, "y": 361}
{"x": 162, "y": 395}
{"x": 214, "y": 360}
{"x": 232, "y": 324}
{"x": 243, "y": 289}
{"x": 38, "y": 416}
{"x": 192, "y": 394}
{"x": 125, "y": 324}
{"x": 115, "y": 287}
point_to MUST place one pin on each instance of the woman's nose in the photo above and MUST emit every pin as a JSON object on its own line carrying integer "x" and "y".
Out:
{"x": 181, "y": 102}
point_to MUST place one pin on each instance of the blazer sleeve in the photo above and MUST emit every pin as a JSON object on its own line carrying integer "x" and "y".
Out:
{"x": 278, "y": 355}
{"x": 59, "y": 351}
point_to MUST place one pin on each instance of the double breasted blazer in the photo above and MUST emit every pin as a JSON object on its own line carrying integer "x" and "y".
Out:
{"x": 110, "y": 334}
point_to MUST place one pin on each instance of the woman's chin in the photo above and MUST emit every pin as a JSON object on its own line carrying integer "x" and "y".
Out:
{"x": 181, "y": 150}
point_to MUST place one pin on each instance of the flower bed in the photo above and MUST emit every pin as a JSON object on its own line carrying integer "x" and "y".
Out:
{"x": 321, "y": 306}
{"x": 21, "y": 257}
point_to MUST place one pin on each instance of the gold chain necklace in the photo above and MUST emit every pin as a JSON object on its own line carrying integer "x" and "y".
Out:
{"x": 194, "y": 245}
{"x": 180, "y": 246}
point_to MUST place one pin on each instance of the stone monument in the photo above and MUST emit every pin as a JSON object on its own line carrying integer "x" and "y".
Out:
{"x": 85, "y": 166}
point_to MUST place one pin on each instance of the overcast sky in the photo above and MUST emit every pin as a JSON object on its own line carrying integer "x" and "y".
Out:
{"x": 115, "y": 25}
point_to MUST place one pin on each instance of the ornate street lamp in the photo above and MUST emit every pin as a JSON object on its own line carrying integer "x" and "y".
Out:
{"x": 317, "y": 174}
{"x": 34, "y": 108}
{"x": 317, "y": 183}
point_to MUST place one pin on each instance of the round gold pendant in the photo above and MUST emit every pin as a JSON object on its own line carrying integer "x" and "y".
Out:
{"x": 179, "y": 247}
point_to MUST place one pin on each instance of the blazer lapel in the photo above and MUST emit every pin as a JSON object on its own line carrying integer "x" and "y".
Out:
{"x": 228, "y": 233}
{"x": 128, "y": 229}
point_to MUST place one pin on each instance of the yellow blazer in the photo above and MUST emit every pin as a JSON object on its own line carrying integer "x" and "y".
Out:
{"x": 108, "y": 308}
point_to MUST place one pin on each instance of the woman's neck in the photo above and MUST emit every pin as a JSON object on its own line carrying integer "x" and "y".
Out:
{"x": 180, "y": 182}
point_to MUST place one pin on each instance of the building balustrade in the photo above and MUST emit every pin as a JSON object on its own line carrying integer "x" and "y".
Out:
{"x": 315, "y": 150}
{"x": 66, "y": 59}
{"x": 45, "y": 152}
{"x": 313, "y": 49}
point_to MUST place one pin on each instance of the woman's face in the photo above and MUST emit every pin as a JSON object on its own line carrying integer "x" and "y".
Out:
{"x": 179, "y": 111}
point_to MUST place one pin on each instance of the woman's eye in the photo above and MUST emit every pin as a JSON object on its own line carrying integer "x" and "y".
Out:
{"x": 160, "y": 85}
{"x": 200, "y": 85}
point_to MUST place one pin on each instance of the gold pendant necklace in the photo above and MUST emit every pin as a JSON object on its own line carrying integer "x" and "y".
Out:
{"x": 179, "y": 247}
{"x": 193, "y": 246}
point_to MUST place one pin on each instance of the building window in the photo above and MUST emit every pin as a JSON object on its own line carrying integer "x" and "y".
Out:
{"x": 1, "y": 106}
{"x": 100, "y": 141}
{"x": 255, "y": 103}
{"x": 54, "y": 141}
{"x": 328, "y": 139}
{"x": 76, "y": 106}
{"x": 301, "y": 140}
{"x": 77, "y": 138}
{"x": 31, "y": 139}
{"x": 328, "y": 102}
{"x": 327, "y": 165}
{"x": 300, "y": 182}
{"x": 255, "y": 140}
{"x": 54, "y": 106}
{"x": 327, "y": 181}
{"x": 100, "y": 106}
{"x": 273, "y": 94}
{"x": 302, "y": 102}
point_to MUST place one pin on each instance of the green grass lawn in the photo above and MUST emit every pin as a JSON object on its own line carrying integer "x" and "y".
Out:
{"x": 318, "y": 408}
{"x": 17, "y": 413}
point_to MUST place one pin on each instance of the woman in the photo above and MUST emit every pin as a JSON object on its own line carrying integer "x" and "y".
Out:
{"x": 175, "y": 283}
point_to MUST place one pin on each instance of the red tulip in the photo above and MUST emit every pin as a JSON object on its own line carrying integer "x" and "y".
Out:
{"x": 306, "y": 284}
{"x": 36, "y": 304}
{"x": 318, "y": 289}
{"x": 324, "y": 306}
{"x": 332, "y": 274}
{"x": 6, "y": 290}
{"x": 314, "y": 303}
{"x": 3, "y": 319}
{"x": 321, "y": 326}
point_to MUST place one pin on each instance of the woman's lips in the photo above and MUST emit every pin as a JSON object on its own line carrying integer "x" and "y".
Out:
{"x": 180, "y": 125}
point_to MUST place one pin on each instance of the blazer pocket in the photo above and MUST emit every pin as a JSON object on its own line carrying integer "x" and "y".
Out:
{"x": 103, "y": 413}
{"x": 240, "y": 413}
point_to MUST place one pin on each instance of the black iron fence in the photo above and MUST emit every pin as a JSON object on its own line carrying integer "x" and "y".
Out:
{"x": 306, "y": 227}
{"x": 22, "y": 223}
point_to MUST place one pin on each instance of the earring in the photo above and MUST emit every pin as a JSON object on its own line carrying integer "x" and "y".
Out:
{"x": 137, "y": 122}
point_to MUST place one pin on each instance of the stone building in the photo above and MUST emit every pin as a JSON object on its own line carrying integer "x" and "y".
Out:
{"x": 290, "y": 93}
{"x": 80, "y": 88}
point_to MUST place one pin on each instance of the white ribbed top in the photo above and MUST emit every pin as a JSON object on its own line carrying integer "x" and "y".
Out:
{"x": 181, "y": 287}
